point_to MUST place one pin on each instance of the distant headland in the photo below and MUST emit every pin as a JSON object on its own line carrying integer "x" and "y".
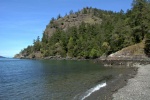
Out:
{"x": 2, "y": 57}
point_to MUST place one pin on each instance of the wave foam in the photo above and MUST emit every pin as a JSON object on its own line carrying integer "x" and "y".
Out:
{"x": 96, "y": 88}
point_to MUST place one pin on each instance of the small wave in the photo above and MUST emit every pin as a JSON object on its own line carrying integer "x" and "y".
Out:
{"x": 96, "y": 88}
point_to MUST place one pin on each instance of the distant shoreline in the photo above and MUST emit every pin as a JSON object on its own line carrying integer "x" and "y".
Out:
{"x": 107, "y": 62}
{"x": 2, "y": 57}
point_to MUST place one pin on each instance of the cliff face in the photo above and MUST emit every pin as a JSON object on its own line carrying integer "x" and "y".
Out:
{"x": 71, "y": 20}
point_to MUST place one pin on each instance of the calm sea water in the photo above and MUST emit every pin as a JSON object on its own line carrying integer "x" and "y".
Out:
{"x": 50, "y": 79}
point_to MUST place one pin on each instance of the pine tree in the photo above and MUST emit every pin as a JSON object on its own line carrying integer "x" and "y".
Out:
{"x": 70, "y": 47}
{"x": 139, "y": 19}
{"x": 147, "y": 45}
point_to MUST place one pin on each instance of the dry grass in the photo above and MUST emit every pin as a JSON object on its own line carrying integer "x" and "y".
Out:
{"x": 135, "y": 50}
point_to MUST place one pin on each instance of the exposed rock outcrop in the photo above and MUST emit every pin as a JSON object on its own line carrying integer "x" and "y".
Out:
{"x": 134, "y": 52}
{"x": 71, "y": 20}
{"x": 35, "y": 55}
{"x": 127, "y": 57}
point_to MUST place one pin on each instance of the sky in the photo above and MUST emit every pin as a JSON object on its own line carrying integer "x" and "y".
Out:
{"x": 21, "y": 21}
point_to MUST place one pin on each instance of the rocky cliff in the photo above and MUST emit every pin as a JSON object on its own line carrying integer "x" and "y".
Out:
{"x": 74, "y": 19}
{"x": 133, "y": 52}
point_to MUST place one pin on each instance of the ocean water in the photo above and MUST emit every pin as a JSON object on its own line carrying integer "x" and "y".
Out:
{"x": 51, "y": 79}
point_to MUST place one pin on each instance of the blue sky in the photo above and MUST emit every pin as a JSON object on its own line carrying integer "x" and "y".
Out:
{"x": 21, "y": 21}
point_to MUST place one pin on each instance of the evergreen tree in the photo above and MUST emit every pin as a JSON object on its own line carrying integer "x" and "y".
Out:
{"x": 70, "y": 47}
{"x": 59, "y": 16}
{"x": 147, "y": 45}
{"x": 37, "y": 44}
{"x": 139, "y": 19}
{"x": 91, "y": 40}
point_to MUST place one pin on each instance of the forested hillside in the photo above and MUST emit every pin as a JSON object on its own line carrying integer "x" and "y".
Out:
{"x": 91, "y": 33}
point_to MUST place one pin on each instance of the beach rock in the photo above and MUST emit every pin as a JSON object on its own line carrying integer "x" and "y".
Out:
{"x": 134, "y": 52}
{"x": 137, "y": 88}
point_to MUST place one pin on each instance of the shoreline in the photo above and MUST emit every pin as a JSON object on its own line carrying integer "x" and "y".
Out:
{"x": 137, "y": 88}
{"x": 118, "y": 82}
{"x": 113, "y": 85}
{"x": 117, "y": 87}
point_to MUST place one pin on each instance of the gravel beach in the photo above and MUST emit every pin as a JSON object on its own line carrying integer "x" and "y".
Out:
{"x": 137, "y": 88}
{"x": 113, "y": 85}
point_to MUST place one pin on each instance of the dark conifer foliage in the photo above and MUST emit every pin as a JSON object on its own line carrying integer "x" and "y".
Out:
{"x": 91, "y": 40}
